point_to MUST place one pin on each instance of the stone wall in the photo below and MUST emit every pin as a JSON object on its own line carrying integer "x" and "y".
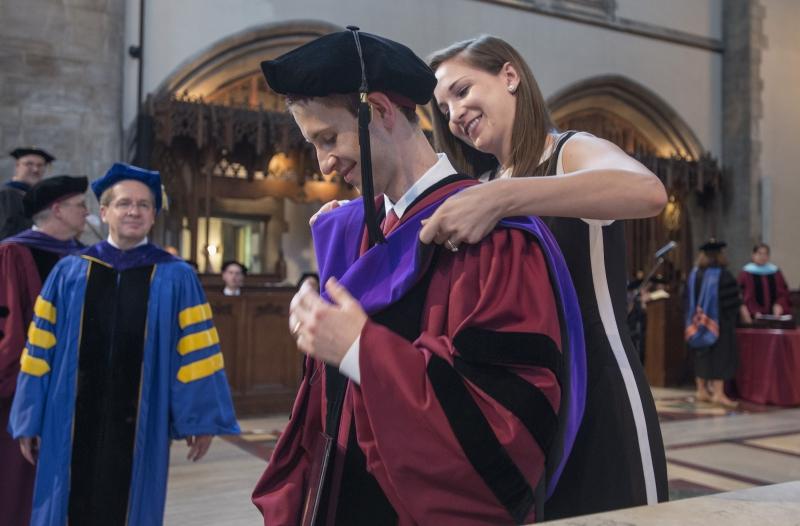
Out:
{"x": 61, "y": 82}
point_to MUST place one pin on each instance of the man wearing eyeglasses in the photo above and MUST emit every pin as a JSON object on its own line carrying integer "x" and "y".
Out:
{"x": 122, "y": 356}
{"x": 30, "y": 167}
{"x": 57, "y": 207}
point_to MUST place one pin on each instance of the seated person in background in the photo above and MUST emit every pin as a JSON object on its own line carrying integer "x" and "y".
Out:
{"x": 233, "y": 274}
{"x": 637, "y": 318}
{"x": 639, "y": 295}
{"x": 764, "y": 290}
{"x": 656, "y": 289}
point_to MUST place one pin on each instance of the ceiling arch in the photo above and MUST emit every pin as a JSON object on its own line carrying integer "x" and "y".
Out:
{"x": 633, "y": 103}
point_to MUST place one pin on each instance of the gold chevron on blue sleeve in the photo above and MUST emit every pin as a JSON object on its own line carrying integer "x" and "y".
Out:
{"x": 40, "y": 337}
{"x": 198, "y": 340}
{"x": 192, "y": 315}
{"x": 32, "y": 365}
{"x": 45, "y": 310}
{"x": 201, "y": 368}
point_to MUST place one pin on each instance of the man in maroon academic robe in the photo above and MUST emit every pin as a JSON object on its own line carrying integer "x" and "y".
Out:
{"x": 58, "y": 209}
{"x": 437, "y": 382}
{"x": 764, "y": 289}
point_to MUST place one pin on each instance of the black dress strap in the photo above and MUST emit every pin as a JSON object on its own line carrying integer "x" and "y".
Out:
{"x": 552, "y": 164}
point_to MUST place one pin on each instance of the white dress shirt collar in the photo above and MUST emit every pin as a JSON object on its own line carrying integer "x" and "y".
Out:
{"x": 443, "y": 168}
{"x": 140, "y": 243}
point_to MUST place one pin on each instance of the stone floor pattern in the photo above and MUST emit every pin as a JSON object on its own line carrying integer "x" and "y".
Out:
{"x": 709, "y": 450}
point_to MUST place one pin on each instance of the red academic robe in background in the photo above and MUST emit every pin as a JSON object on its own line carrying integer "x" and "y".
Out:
{"x": 423, "y": 439}
{"x": 19, "y": 285}
{"x": 761, "y": 291}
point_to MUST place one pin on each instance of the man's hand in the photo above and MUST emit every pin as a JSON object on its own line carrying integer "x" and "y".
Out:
{"x": 747, "y": 319}
{"x": 198, "y": 446}
{"x": 323, "y": 330}
{"x": 29, "y": 446}
{"x": 777, "y": 310}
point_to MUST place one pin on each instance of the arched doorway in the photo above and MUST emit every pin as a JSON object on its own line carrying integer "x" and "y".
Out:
{"x": 232, "y": 155}
{"x": 646, "y": 127}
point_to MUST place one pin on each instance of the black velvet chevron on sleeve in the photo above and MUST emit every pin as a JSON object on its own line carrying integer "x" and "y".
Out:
{"x": 3, "y": 315}
{"x": 483, "y": 358}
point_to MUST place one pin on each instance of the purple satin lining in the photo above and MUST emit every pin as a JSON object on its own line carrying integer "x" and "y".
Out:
{"x": 386, "y": 272}
{"x": 40, "y": 240}
{"x": 142, "y": 256}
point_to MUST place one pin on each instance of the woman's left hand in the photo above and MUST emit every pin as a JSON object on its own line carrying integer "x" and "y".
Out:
{"x": 466, "y": 217}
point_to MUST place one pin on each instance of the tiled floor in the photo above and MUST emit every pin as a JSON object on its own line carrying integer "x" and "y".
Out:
{"x": 709, "y": 450}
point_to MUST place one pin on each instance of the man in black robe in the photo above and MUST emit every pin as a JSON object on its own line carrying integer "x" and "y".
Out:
{"x": 29, "y": 169}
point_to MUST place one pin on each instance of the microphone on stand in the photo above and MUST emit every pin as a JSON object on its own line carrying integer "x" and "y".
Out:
{"x": 661, "y": 252}
{"x": 659, "y": 256}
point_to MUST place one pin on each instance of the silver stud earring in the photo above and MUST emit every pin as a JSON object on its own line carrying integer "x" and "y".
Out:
{"x": 512, "y": 88}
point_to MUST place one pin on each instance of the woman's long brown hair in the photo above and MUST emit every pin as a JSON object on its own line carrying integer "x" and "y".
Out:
{"x": 531, "y": 118}
{"x": 711, "y": 258}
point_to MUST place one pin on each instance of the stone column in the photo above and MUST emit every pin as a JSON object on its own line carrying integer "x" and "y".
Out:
{"x": 742, "y": 88}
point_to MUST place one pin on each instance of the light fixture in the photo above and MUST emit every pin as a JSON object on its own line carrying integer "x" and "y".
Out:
{"x": 282, "y": 166}
{"x": 212, "y": 250}
{"x": 672, "y": 214}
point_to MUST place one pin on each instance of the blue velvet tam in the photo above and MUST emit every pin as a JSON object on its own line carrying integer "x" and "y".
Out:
{"x": 121, "y": 171}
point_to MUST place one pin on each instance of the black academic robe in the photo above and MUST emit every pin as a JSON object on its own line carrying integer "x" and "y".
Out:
{"x": 719, "y": 361}
{"x": 12, "y": 212}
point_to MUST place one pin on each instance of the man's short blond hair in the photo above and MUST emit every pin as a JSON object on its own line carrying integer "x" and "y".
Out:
{"x": 108, "y": 194}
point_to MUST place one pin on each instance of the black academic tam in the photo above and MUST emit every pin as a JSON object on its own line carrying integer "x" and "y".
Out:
{"x": 713, "y": 245}
{"x": 16, "y": 153}
{"x": 48, "y": 191}
{"x": 330, "y": 65}
{"x": 354, "y": 62}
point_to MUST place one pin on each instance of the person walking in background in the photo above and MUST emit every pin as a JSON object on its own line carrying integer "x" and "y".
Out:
{"x": 233, "y": 274}
{"x": 30, "y": 167}
{"x": 712, "y": 298}
{"x": 490, "y": 117}
{"x": 764, "y": 289}
{"x": 57, "y": 207}
{"x": 122, "y": 357}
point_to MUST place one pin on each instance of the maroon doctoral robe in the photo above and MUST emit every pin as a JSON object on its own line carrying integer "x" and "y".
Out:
{"x": 761, "y": 291}
{"x": 404, "y": 445}
{"x": 19, "y": 285}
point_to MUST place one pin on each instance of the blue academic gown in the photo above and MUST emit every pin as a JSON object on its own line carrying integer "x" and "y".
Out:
{"x": 184, "y": 390}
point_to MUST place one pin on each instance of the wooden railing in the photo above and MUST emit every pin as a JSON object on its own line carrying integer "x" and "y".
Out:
{"x": 261, "y": 359}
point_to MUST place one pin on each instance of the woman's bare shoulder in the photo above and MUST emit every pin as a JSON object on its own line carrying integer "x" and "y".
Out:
{"x": 584, "y": 150}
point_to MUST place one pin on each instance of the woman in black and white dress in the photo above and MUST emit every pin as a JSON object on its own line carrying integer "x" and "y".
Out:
{"x": 492, "y": 121}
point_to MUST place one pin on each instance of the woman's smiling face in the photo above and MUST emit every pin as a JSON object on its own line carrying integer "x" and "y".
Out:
{"x": 479, "y": 106}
